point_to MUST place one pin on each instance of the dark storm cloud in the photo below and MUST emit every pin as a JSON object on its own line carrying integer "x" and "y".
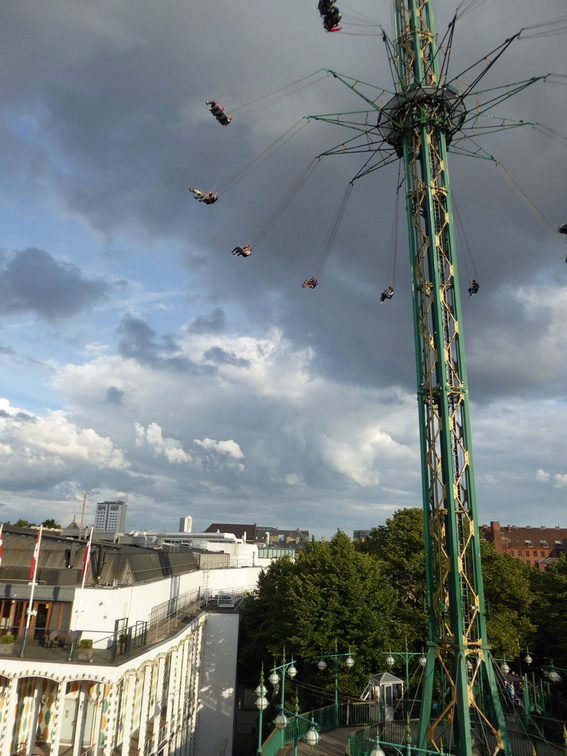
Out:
{"x": 214, "y": 322}
{"x": 140, "y": 342}
{"x": 33, "y": 281}
{"x": 222, "y": 357}
{"x": 113, "y": 395}
{"x": 23, "y": 417}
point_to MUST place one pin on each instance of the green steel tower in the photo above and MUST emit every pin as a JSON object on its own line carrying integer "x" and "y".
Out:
{"x": 418, "y": 122}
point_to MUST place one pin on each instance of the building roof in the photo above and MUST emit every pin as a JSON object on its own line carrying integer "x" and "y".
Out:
{"x": 61, "y": 560}
{"x": 526, "y": 536}
{"x": 246, "y": 532}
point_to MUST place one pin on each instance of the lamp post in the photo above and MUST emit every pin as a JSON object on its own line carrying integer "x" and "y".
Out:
{"x": 406, "y": 656}
{"x": 312, "y": 736}
{"x": 285, "y": 668}
{"x": 261, "y": 704}
{"x": 349, "y": 661}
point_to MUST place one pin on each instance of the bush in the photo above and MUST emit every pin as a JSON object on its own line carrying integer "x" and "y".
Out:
{"x": 86, "y": 643}
{"x": 7, "y": 638}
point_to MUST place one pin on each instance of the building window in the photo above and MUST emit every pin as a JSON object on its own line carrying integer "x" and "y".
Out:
{"x": 528, "y": 562}
{"x": 542, "y": 553}
{"x": 520, "y": 552}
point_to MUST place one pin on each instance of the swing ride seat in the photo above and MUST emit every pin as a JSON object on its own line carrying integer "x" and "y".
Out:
{"x": 245, "y": 251}
{"x": 310, "y": 283}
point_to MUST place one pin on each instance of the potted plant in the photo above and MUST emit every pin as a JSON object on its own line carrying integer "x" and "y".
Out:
{"x": 122, "y": 642}
{"x": 7, "y": 644}
{"x": 85, "y": 650}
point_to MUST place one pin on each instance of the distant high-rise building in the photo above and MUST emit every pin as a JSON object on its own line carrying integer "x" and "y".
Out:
{"x": 110, "y": 516}
{"x": 186, "y": 524}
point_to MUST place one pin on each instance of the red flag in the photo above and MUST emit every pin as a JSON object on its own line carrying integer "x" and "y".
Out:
{"x": 1, "y": 542}
{"x": 35, "y": 558}
{"x": 87, "y": 555}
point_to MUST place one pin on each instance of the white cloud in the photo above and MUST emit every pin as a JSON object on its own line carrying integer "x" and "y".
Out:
{"x": 167, "y": 447}
{"x": 230, "y": 448}
{"x": 51, "y": 447}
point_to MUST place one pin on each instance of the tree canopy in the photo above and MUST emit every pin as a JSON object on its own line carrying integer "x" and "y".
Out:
{"x": 370, "y": 597}
{"x": 332, "y": 594}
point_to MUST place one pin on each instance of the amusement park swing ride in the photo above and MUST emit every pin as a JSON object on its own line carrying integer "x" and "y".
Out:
{"x": 427, "y": 115}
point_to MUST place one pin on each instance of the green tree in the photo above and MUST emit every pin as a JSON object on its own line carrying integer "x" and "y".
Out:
{"x": 24, "y": 524}
{"x": 399, "y": 547}
{"x": 549, "y": 613}
{"x": 50, "y": 523}
{"x": 508, "y": 597}
{"x": 331, "y": 593}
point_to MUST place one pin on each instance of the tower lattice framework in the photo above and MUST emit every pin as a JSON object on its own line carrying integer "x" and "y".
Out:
{"x": 417, "y": 123}
{"x": 420, "y": 122}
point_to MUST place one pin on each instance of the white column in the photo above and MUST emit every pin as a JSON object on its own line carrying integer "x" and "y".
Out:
{"x": 82, "y": 701}
{"x": 9, "y": 705}
{"x": 111, "y": 719}
{"x": 129, "y": 695}
{"x": 146, "y": 682}
{"x": 157, "y": 704}
{"x": 57, "y": 719}
{"x": 182, "y": 697}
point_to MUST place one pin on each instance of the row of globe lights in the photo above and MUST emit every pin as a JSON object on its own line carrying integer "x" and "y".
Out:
{"x": 552, "y": 674}
{"x": 312, "y": 737}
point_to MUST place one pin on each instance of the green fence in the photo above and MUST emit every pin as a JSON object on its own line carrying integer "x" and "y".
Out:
{"x": 544, "y": 737}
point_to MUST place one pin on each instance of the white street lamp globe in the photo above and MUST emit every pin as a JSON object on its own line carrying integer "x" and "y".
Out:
{"x": 505, "y": 668}
{"x": 422, "y": 660}
{"x": 280, "y": 721}
{"x": 528, "y": 659}
{"x": 312, "y": 737}
{"x": 274, "y": 678}
{"x": 291, "y": 672}
{"x": 322, "y": 664}
{"x": 377, "y": 751}
{"x": 349, "y": 661}
{"x": 554, "y": 676}
{"x": 261, "y": 690}
{"x": 390, "y": 660}
{"x": 261, "y": 703}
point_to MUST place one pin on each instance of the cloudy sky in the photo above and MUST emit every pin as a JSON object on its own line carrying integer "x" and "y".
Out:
{"x": 140, "y": 359}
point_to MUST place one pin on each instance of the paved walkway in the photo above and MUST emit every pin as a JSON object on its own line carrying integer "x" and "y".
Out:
{"x": 332, "y": 743}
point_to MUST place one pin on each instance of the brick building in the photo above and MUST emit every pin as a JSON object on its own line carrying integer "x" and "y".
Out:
{"x": 535, "y": 546}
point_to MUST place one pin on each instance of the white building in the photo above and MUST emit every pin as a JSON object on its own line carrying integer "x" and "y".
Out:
{"x": 110, "y": 516}
{"x": 185, "y": 524}
{"x": 129, "y": 665}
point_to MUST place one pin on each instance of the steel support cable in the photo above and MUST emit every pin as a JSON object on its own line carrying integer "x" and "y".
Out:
{"x": 325, "y": 250}
{"x": 467, "y": 6}
{"x": 547, "y": 29}
{"x": 497, "y": 52}
{"x": 268, "y": 152}
{"x": 395, "y": 232}
{"x": 281, "y": 92}
{"x": 285, "y": 203}
{"x": 527, "y": 201}
{"x": 464, "y": 239}
{"x": 546, "y": 131}
{"x": 281, "y": 97}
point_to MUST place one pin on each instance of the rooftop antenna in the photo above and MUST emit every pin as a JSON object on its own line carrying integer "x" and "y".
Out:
{"x": 85, "y": 494}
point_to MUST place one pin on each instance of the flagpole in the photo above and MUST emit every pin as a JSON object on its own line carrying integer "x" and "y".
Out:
{"x": 85, "y": 570}
{"x": 33, "y": 576}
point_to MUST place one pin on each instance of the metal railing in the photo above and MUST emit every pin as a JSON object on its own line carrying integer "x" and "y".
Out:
{"x": 397, "y": 737}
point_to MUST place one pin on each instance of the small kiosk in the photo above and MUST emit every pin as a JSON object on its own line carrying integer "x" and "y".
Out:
{"x": 384, "y": 691}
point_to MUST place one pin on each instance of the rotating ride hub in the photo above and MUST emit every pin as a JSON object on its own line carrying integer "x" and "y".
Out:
{"x": 439, "y": 107}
